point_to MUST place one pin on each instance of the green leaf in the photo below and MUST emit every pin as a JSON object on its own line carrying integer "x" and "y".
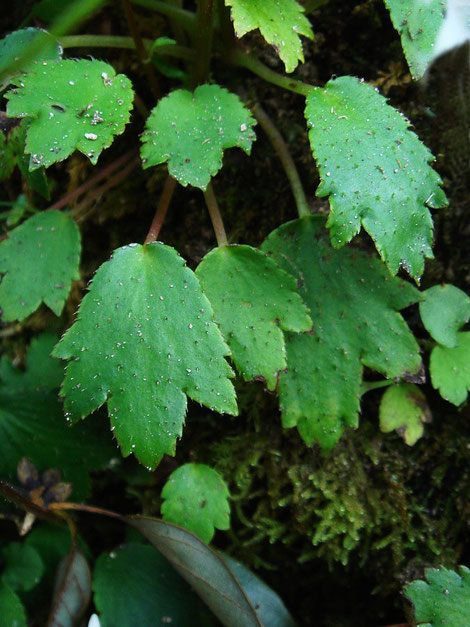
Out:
{"x": 204, "y": 569}
{"x": 354, "y": 304}
{"x": 269, "y": 607}
{"x": 444, "y": 599}
{"x": 16, "y": 45}
{"x": 12, "y": 612}
{"x": 281, "y": 22}
{"x": 375, "y": 171}
{"x": 18, "y": 209}
{"x": 450, "y": 369}
{"x": 444, "y": 310}
{"x": 418, "y": 23}
{"x": 72, "y": 590}
{"x": 32, "y": 424}
{"x": 197, "y": 498}
{"x": 74, "y": 105}
{"x": 143, "y": 340}
{"x": 190, "y": 131}
{"x": 39, "y": 260}
{"x": 252, "y": 303}
{"x": 155, "y": 593}
{"x": 404, "y": 408}
{"x": 22, "y": 566}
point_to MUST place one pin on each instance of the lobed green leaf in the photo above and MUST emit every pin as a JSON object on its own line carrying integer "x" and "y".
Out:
{"x": 444, "y": 310}
{"x": 404, "y": 408}
{"x": 450, "y": 369}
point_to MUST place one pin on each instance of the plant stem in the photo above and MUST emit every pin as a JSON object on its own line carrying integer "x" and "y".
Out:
{"x": 187, "y": 19}
{"x": 80, "y": 507}
{"x": 367, "y": 386}
{"x": 285, "y": 157}
{"x": 140, "y": 48}
{"x": 254, "y": 65}
{"x": 115, "y": 41}
{"x": 215, "y": 216}
{"x": 203, "y": 43}
{"x": 162, "y": 208}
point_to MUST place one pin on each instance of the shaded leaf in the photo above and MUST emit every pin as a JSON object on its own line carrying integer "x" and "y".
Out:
{"x": 143, "y": 340}
{"x": 18, "y": 210}
{"x": 39, "y": 260}
{"x": 418, "y": 23}
{"x": 204, "y": 569}
{"x": 444, "y": 599}
{"x": 281, "y": 22}
{"x": 190, "y": 131}
{"x": 74, "y": 105}
{"x": 155, "y": 593}
{"x": 450, "y": 369}
{"x": 375, "y": 171}
{"x": 197, "y": 498}
{"x": 443, "y": 311}
{"x": 12, "y": 612}
{"x": 253, "y": 302}
{"x": 72, "y": 590}
{"x": 16, "y": 45}
{"x": 404, "y": 408}
{"x": 354, "y": 305}
{"x": 22, "y": 566}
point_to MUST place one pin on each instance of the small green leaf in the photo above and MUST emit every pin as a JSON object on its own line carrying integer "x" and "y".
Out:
{"x": 74, "y": 105}
{"x": 281, "y": 22}
{"x": 12, "y": 612}
{"x": 19, "y": 208}
{"x": 252, "y": 303}
{"x": 39, "y": 260}
{"x": 444, "y": 599}
{"x": 418, "y": 23}
{"x": 190, "y": 131}
{"x": 375, "y": 171}
{"x": 72, "y": 590}
{"x": 354, "y": 305}
{"x": 450, "y": 369}
{"x": 143, "y": 340}
{"x": 16, "y": 44}
{"x": 22, "y": 566}
{"x": 196, "y": 497}
{"x": 404, "y": 408}
{"x": 204, "y": 569}
{"x": 155, "y": 593}
{"x": 443, "y": 312}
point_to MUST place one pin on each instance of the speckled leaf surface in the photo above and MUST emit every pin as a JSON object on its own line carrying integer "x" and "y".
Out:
{"x": 38, "y": 260}
{"x": 418, "y": 23}
{"x": 443, "y": 312}
{"x": 354, "y": 306}
{"x": 450, "y": 369}
{"x": 143, "y": 340}
{"x": 16, "y": 45}
{"x": 196, "y": 498}
{"x": 375, "y": 171}
{"x": 443, "y": 600}
{"x": 74, "y": 105}
{"x": 404, "y": 408}
{"x": 281, "y": 22}
{"x": 252, "y": 305}
{"x": 190, "y": 131}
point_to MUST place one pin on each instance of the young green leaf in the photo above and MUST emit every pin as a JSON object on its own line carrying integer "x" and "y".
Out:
{"x": 155, "y": 593}
{"x": 354, "y": 305}
{"x": 73, "y": 105}
{"x": 418, "y": 24}
{"x": 404, "y": 408}
{"x": 11, "y": 607}
{"x": 253, "y": 302}
{"x": 443, "y": 312}
{"x": 190, "y": 131}
{"x": 443, "y": 600}
{"x": 16, "y": 45}
{"x": 450, "y": 369}
{"x": 196, "y": 498}
{"x": 22, "y": 566}
{"x": 39, "y": 260}
{"x": 281, "y": 22}
{"x": 143, "y": 340}
{"x": 375, "y": 171}
{"x": 32, "y": 423}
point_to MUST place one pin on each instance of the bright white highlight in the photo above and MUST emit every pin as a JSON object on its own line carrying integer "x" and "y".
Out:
{"x": 455, "y": 29}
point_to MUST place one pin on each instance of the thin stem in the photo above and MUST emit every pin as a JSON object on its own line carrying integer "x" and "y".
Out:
{"x": 102, "y": 174}
{"x": 140, "y": 48}
{"x": 215, "y": 216}
{"x": 162, "y": 208}
{"x": 285, "y": 157}
{"x": 187, "y": 19}
{"x": 115, "y": 41}
{"x": 367, "y": 386}
{"x": 254, "y": 65}
{"x": 203, "y": 43}
{"x": 84, "y": 508}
